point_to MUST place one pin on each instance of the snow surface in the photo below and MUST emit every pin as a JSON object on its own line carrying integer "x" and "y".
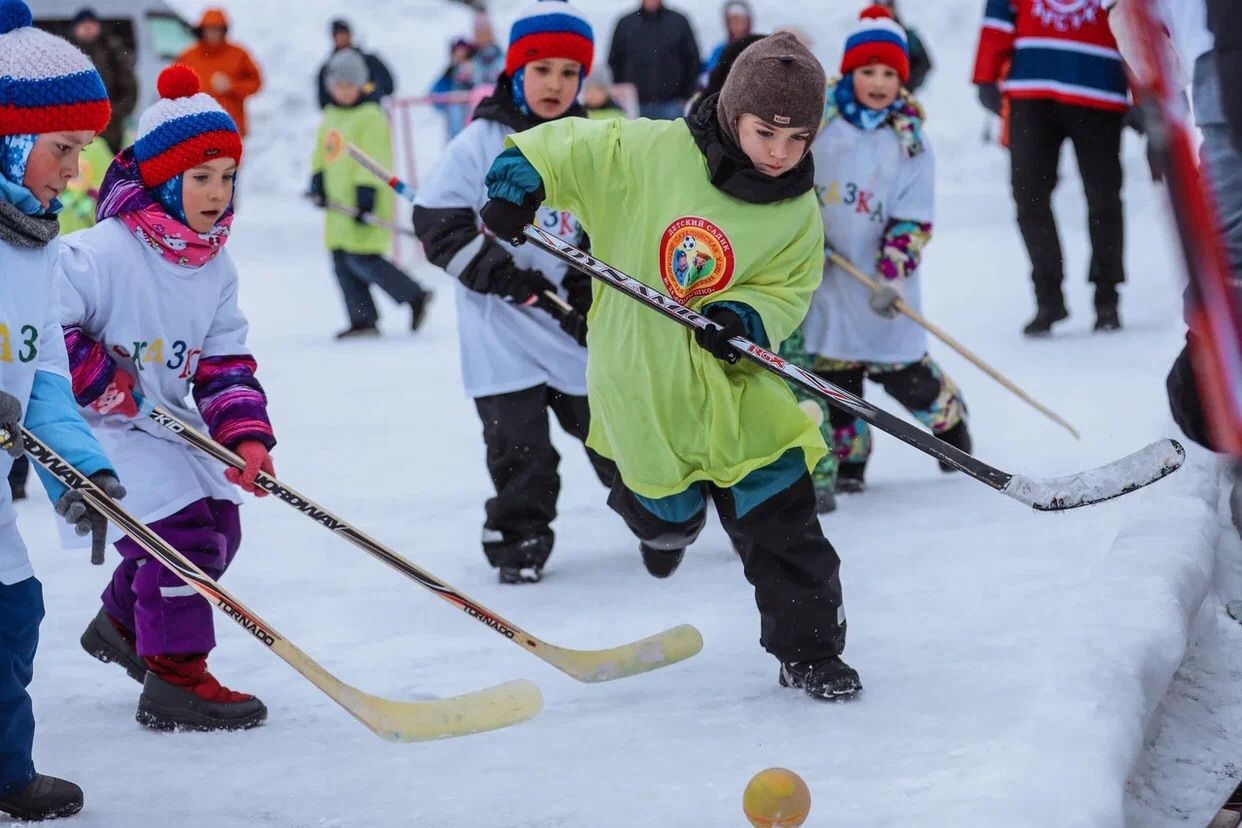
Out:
{"x": 1013, "y": 660}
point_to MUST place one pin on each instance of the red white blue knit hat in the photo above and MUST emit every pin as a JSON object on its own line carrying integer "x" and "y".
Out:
{"x": 46, "y": 83}
{"x": 550, "y": 29}
{"x": 877, "y": 38}
{"x": 183, "y": 129}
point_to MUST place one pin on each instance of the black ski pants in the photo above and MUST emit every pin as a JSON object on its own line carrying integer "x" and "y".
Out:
{"x": 523, "y": 467}
{"x": 1037, "y": 130}
{"x": 356, "y": 272}
{"x": 794, "y": 569}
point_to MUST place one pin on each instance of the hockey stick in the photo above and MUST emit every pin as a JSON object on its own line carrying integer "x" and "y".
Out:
{"x": 652, "y": 653}
{"x": 397, "y": 721}
{"x": 1140, "y": 469}
{"x": 407, "y": 192}
{"x": 368, "y": 219}
{"x": 935, "y": 330}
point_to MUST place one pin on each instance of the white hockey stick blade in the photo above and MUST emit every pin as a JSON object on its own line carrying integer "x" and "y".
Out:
{"x": 651, "y": 653}
{"x": 1143, "y": 467}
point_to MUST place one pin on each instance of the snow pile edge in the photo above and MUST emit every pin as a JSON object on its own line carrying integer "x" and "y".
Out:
{"x": 1103, "y": 685}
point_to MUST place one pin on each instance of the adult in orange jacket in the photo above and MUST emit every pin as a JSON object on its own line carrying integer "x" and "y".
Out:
{"x": 228, "y": 72}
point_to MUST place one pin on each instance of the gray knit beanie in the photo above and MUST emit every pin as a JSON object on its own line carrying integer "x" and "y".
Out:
{"x": 348, "y": 66}
{"x": 777, "y": 79}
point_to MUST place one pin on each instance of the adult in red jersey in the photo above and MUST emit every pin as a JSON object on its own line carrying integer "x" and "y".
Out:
{"x": 1066, "y": 81}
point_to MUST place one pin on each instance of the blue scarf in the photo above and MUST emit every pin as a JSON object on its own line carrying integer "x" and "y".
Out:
{"x": 14, "y": 156}
{"x": 169, "y": 194}
{"x": 863, "y": 117}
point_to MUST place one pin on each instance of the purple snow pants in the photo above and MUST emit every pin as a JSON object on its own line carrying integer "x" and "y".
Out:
{"x": 167, "y": 616}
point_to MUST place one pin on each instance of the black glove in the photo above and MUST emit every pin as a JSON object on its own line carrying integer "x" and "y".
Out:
{"x": 316, "y": 194}
{"x": 364, "y": 197}
{"x": 530, "y": 288}
{"x": 11, "y": 426}
{"x": 990, "y": 97}
{"x": 1135, "y": 119}
{"x": 715, "y": 338}
{"x": 575, "y": 324}
{"x": 507, "y": 220}
{"x": 85, "y": 520}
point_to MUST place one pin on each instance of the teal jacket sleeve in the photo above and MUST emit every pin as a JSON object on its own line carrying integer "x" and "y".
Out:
{"x": 513, "y": 178}
{"x": 52, "y": 416}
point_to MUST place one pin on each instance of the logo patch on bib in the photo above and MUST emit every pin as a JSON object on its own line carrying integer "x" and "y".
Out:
{"x": 696, "y": 258}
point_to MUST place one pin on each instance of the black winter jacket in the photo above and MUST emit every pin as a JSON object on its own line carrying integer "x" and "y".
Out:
{"x": 656, "y": 51}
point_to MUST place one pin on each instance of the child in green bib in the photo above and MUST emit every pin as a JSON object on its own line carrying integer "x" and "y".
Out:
{"x": 717, "y": 212}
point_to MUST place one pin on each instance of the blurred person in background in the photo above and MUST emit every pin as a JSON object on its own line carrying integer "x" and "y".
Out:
{"x": 381, "y": 78}
{"x": 227, "y": 71}
{"x": 458, "y": 76}
{"x": 488, "y": 58}
{"x": 115, "y": 65}
{"x": 654, "y": 49}
{"x": 920, "y": 58}
{"x": 739, "y": 23}
{"x": 1066, "y": 82}
{"x": 597, "y": 97}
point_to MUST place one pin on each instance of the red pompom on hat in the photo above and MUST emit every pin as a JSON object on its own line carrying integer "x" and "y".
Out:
{"x": 182, "y": 130}
{"x": 877, "y": 38}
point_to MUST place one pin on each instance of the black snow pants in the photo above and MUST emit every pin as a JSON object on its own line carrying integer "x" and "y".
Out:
{"x": 1037, "y": 130}
{"x": 523, "y": 466}
{"x": 794, "y": 569}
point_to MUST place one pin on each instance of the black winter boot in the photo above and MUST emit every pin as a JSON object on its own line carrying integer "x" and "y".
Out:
{"x": 418, "y": 309}
{"x": 959, "y": 438}
{"x": 850, "y": 478}
{"x": 180, "y": 694}
{"x": 521, "y": 562}
{"x": 661, "y": 562}
{"x": 109, "y": 642}
{"x": 46, "y": 797}
{"x": 1045, "y": 317}
{"x": 830, "y": 679}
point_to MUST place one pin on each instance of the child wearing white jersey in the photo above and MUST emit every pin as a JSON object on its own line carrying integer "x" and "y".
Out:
{"x": 523, "y": 354}
{"x": 148, "y": 300}
{"x": 52, "y": 104}
{"x": 875, "y": 177}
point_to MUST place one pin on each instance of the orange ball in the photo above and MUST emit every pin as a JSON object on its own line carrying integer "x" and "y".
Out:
{"x": 776, "y": 798}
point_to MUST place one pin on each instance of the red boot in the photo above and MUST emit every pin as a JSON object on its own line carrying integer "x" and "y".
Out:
{"x": 180, "y": 694}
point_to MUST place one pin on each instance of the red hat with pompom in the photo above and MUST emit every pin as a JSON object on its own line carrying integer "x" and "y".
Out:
{"x": 877, "y": 38}
{"x": 183, "y": 129}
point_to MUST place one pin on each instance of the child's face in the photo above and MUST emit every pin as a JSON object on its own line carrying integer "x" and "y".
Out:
{"x": 344, "y": 94}
{"x": 594, "y": 96}
{"x": 206, "y": 191}
{"x": 53, "y": 163}
{"x": 773, "y": 150}
{"x": 876, "y": 86}
{"x": 551, "y": 85}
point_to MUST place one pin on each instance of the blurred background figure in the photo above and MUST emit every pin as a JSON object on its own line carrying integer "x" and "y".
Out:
{"x": 739, "y": 23}
{"x": 380, "y": 76}
{"x": 920, "y": 57}
{"x": 458, "y": 76}
{"x": 115, "y": 65}
{"x": 227, "y": 71}
{"x": 489, "y": 57}
{"x": 597, "y": 97}
{"x": 654, "y": 49}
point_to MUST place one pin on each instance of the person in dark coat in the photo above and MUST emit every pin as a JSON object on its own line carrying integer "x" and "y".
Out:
{"x": 654, "y": 48}
{"x": 115, "y": 65}
{"x": 381, "y": 79}
{"x": 1225, "y": 19}
{"x": 920, "y": 58}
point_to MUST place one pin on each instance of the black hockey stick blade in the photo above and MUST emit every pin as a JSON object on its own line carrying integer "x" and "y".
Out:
{"x": 1140, "y": 469}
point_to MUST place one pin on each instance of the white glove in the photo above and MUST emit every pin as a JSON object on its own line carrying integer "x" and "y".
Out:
{"x": 884, "y": 299}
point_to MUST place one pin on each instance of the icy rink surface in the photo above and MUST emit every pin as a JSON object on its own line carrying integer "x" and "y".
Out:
{"x": 1010, "y": 658}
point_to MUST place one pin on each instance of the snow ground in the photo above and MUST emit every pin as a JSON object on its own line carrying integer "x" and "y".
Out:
{"x": 1012, "y": 660}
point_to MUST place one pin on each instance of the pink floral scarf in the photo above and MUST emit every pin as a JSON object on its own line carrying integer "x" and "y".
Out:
{"x": 122, "y": 195}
